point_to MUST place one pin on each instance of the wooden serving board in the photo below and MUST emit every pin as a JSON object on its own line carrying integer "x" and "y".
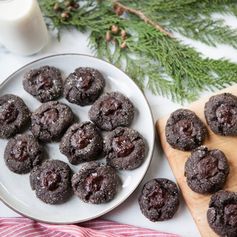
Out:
{"x": 197, "y": 203}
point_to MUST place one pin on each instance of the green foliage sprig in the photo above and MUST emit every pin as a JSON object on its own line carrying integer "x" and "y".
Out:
{"x": 136, "y": 36}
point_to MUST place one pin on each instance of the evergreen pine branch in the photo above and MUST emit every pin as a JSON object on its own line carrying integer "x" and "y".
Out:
{"x": 210, "y": 32}
{"x": 192, "y": 19}
{"x": 154, "y": 60}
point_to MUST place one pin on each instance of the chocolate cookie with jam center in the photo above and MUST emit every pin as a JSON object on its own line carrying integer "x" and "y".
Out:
{"x": 50, "y": 120}
{"x": 221, "y": 114}
{"x": 22, "y": 153}
{"x": 124, "y": 148}
{"x": 52, "y": 181}
{"x": 82, "y": 142}
{"x": 44, "y": 83}
{"x": 84, "y": 86}
{"x": 159, "y": 199}
{"x": 222, "y": 213}
{"x": 112, "y": 110}
{"x": 96, "y": 183}
{"x": 14, "y": 115}
{"x": 184, "y": 130}
{"x": 206, "y": 170}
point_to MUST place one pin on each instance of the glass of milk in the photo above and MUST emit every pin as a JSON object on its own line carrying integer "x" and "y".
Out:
{"x": 22, "y": 27}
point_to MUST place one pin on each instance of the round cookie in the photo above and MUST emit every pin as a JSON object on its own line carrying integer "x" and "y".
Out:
{"x": 112, "y": 110}
{"x": 52, "y": 181}
{"x": 82, "y": 142}
{"x": 50, "y": 120}
{"x": 14, "y": 115}
{"x": 184, "y": 130}
{"x": 159, "y": 199}
{"x": 22, "y": 153}
{"x": 95, "y": 183}
{"x": 44, "y": 83}
{"x": 124, "y": 148}
{"x": 222, "y": 213}
{"x": 221, "y": 114}
{"x": 84, "y": 86}
{"x": 206, "y": 170}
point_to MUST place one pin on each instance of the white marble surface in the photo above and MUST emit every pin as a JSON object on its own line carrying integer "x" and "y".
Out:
{"x": 128, "y": 212}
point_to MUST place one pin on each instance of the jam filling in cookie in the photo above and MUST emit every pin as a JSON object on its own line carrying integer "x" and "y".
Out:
{"x": 112, "y": 110}
{"x": 22, "y": 153}
{"x": 14, "y": 115}
{"x": 184, "y": 130}
{"x": 221, "y": 114}
{"x": 44, "y": 83}
{"x": 222, "y": 213}
{"x": 124, "y": 148}
{"x": 52, "y": 181}
{"x": 159, "y": 199}
{"x": 50, "y": 120}
{"x": 84, "y": 86}
{"x": 82, "y": 142}
{"x": 206, "y": 170}
{"x": 96, "y": 183}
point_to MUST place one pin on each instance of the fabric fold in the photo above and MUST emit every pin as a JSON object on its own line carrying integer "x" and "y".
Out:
{"x": 24, "y": 227}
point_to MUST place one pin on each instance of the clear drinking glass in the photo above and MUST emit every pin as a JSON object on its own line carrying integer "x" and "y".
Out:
{"x": 22, "y": 27}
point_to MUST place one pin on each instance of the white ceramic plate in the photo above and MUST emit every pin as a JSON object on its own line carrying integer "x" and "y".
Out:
{"x": 15, "y": 190}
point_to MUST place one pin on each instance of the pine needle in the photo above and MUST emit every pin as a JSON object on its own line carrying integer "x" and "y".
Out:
{"x": 147, "y": 53}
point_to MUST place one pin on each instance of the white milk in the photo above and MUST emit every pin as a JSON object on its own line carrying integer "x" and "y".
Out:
{"x": 22, "y": 27}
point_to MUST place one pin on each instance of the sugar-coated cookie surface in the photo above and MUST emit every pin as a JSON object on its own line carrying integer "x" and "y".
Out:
{"x": 159, "y": 199}
{"x": 112, "y": 110}
{"x": 52, "y": 181}
{"x": 96, "y": 183}
{"x": 206, "y": 170}
{"x": 44, "y": 83}
{"x": 184, "y": 130}
{"x": 22, "y": 153}
{"x": 124, "y": 148}
{"x": 14, "y": 115}
{"x": 84, "y": 86}
{"x": 81, "y": 143}
{"x": 50, "y": 120}
{"x": 222, "y": 213}
{"x": 221, "y": 114}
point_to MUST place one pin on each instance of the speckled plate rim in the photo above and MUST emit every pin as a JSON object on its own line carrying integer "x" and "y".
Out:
{"x": 149, "y": 157}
